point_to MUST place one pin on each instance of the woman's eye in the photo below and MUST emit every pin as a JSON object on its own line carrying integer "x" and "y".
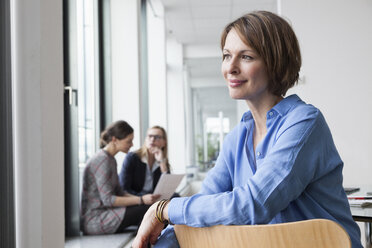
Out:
{"x": 246, "y": 57}
{"x": 225, "y": 56}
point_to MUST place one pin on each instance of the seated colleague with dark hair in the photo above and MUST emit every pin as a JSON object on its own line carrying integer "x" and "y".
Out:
{"x": 142, "y": 169}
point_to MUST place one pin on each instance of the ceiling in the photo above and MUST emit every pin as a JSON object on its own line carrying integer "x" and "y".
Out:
{"x": 201, "y": 21}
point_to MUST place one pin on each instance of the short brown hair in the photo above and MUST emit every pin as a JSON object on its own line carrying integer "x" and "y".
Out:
{"x": 275, "y": 42}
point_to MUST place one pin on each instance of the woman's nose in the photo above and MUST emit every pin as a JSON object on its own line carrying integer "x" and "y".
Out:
{"x": 233, "y": 66}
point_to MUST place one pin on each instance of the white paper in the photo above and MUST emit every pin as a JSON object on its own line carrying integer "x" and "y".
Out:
{"x": 167, "y": 185}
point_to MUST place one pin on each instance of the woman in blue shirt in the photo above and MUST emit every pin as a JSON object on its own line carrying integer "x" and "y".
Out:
{"x": 279, "y": 164}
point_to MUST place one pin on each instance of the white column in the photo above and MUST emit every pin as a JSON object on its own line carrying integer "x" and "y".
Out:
{"x": 176, "y": 106}
{"x": 190, "y": 144}
{"x": 157, "y": 80}
{"x": 125, "y": 67}
{"x": 125, "y": 63}
{"x": 37, "y": 80}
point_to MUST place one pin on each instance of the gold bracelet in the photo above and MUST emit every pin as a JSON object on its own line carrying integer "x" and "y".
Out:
{"x": 159, "y": 211}
{"x": 156, "y": 212}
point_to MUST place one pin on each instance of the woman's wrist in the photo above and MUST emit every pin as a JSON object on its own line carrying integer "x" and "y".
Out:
{"x": 162, "y": 160}
{"x": 165, "y": 212}
{"x": 141, "y": 200}
{"x": 161, "y": 212}
{"x": 164, "y": 165}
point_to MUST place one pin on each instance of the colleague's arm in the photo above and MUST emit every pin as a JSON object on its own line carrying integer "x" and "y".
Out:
{"x": 130, "y": 200}
{"x": 164, "y": 166}
{"x": 103, "y": 176}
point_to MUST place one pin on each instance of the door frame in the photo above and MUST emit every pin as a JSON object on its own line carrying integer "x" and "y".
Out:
{"x": 7, "y": 203}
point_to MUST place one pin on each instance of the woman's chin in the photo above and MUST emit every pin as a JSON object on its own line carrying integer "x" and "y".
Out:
{"x": 236, "y": 96}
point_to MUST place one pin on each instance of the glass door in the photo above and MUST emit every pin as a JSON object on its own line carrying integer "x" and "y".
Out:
{"x": 72, "y": 219}
{"x": 81, "y": 100}
{"x": 87, "y": 69}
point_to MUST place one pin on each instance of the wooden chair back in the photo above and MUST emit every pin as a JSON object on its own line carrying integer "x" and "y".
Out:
{"x": 319, "y": 233}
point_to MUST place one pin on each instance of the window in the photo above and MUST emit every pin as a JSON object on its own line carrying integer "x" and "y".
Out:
{"x": 82, "y": 106}
{"x": 215, "y": 129}
{"x": 86, "y": 80}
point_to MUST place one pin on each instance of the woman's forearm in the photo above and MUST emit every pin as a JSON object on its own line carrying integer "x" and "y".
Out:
{"x": 164, "y": 165}
{"x": 127, "y": 200}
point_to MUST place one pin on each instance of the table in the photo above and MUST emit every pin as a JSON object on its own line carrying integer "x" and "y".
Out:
{"x": 364, "y": 215}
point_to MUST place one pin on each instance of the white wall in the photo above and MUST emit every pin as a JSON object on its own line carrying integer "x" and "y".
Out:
{"x": 125, "y": 63}
{"x": 125, "y": 67}
{"x": 335, "y": 39}
{"x": 157, "y": 80}
{"x": 37, "y": 72}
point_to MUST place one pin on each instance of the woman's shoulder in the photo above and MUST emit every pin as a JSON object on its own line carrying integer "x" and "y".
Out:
{"x": 100, "y": 154}
{"x": 132, "y": 156}
{"x": 97, "y": 159}
{"x": 301, "y": 115}
{"x": 132, "y": 159}
{"x": 298, "y": 110}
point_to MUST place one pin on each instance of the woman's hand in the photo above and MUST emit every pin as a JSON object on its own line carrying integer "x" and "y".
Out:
{"x": 149, "y": 199}
{"x": 149, "y": 230}
{"x": 159, "y": 156}
{"x": 158, "y": 153}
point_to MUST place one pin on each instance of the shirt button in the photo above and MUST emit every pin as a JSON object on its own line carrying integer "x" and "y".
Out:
{"x": 270, "y": 113}
{"x": 258, "y": 154}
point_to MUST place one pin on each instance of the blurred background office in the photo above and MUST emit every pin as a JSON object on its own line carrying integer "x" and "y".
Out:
{"x": 73, "y": 66}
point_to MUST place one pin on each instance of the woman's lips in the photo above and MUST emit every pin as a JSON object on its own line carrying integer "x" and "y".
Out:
{"x": 236, "y": 83}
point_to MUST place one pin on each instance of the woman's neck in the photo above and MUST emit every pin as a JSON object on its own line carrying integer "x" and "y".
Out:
{"x": 111, "y": 149}
{"x": 259, "y": 111}
{"x": 260, "y": 108}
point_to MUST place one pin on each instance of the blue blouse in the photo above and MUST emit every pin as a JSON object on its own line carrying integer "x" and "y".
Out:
{"x": 294, "y": 174}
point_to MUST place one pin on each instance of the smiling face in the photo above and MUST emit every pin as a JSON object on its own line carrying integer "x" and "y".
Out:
{"x": 243, "y": 69}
